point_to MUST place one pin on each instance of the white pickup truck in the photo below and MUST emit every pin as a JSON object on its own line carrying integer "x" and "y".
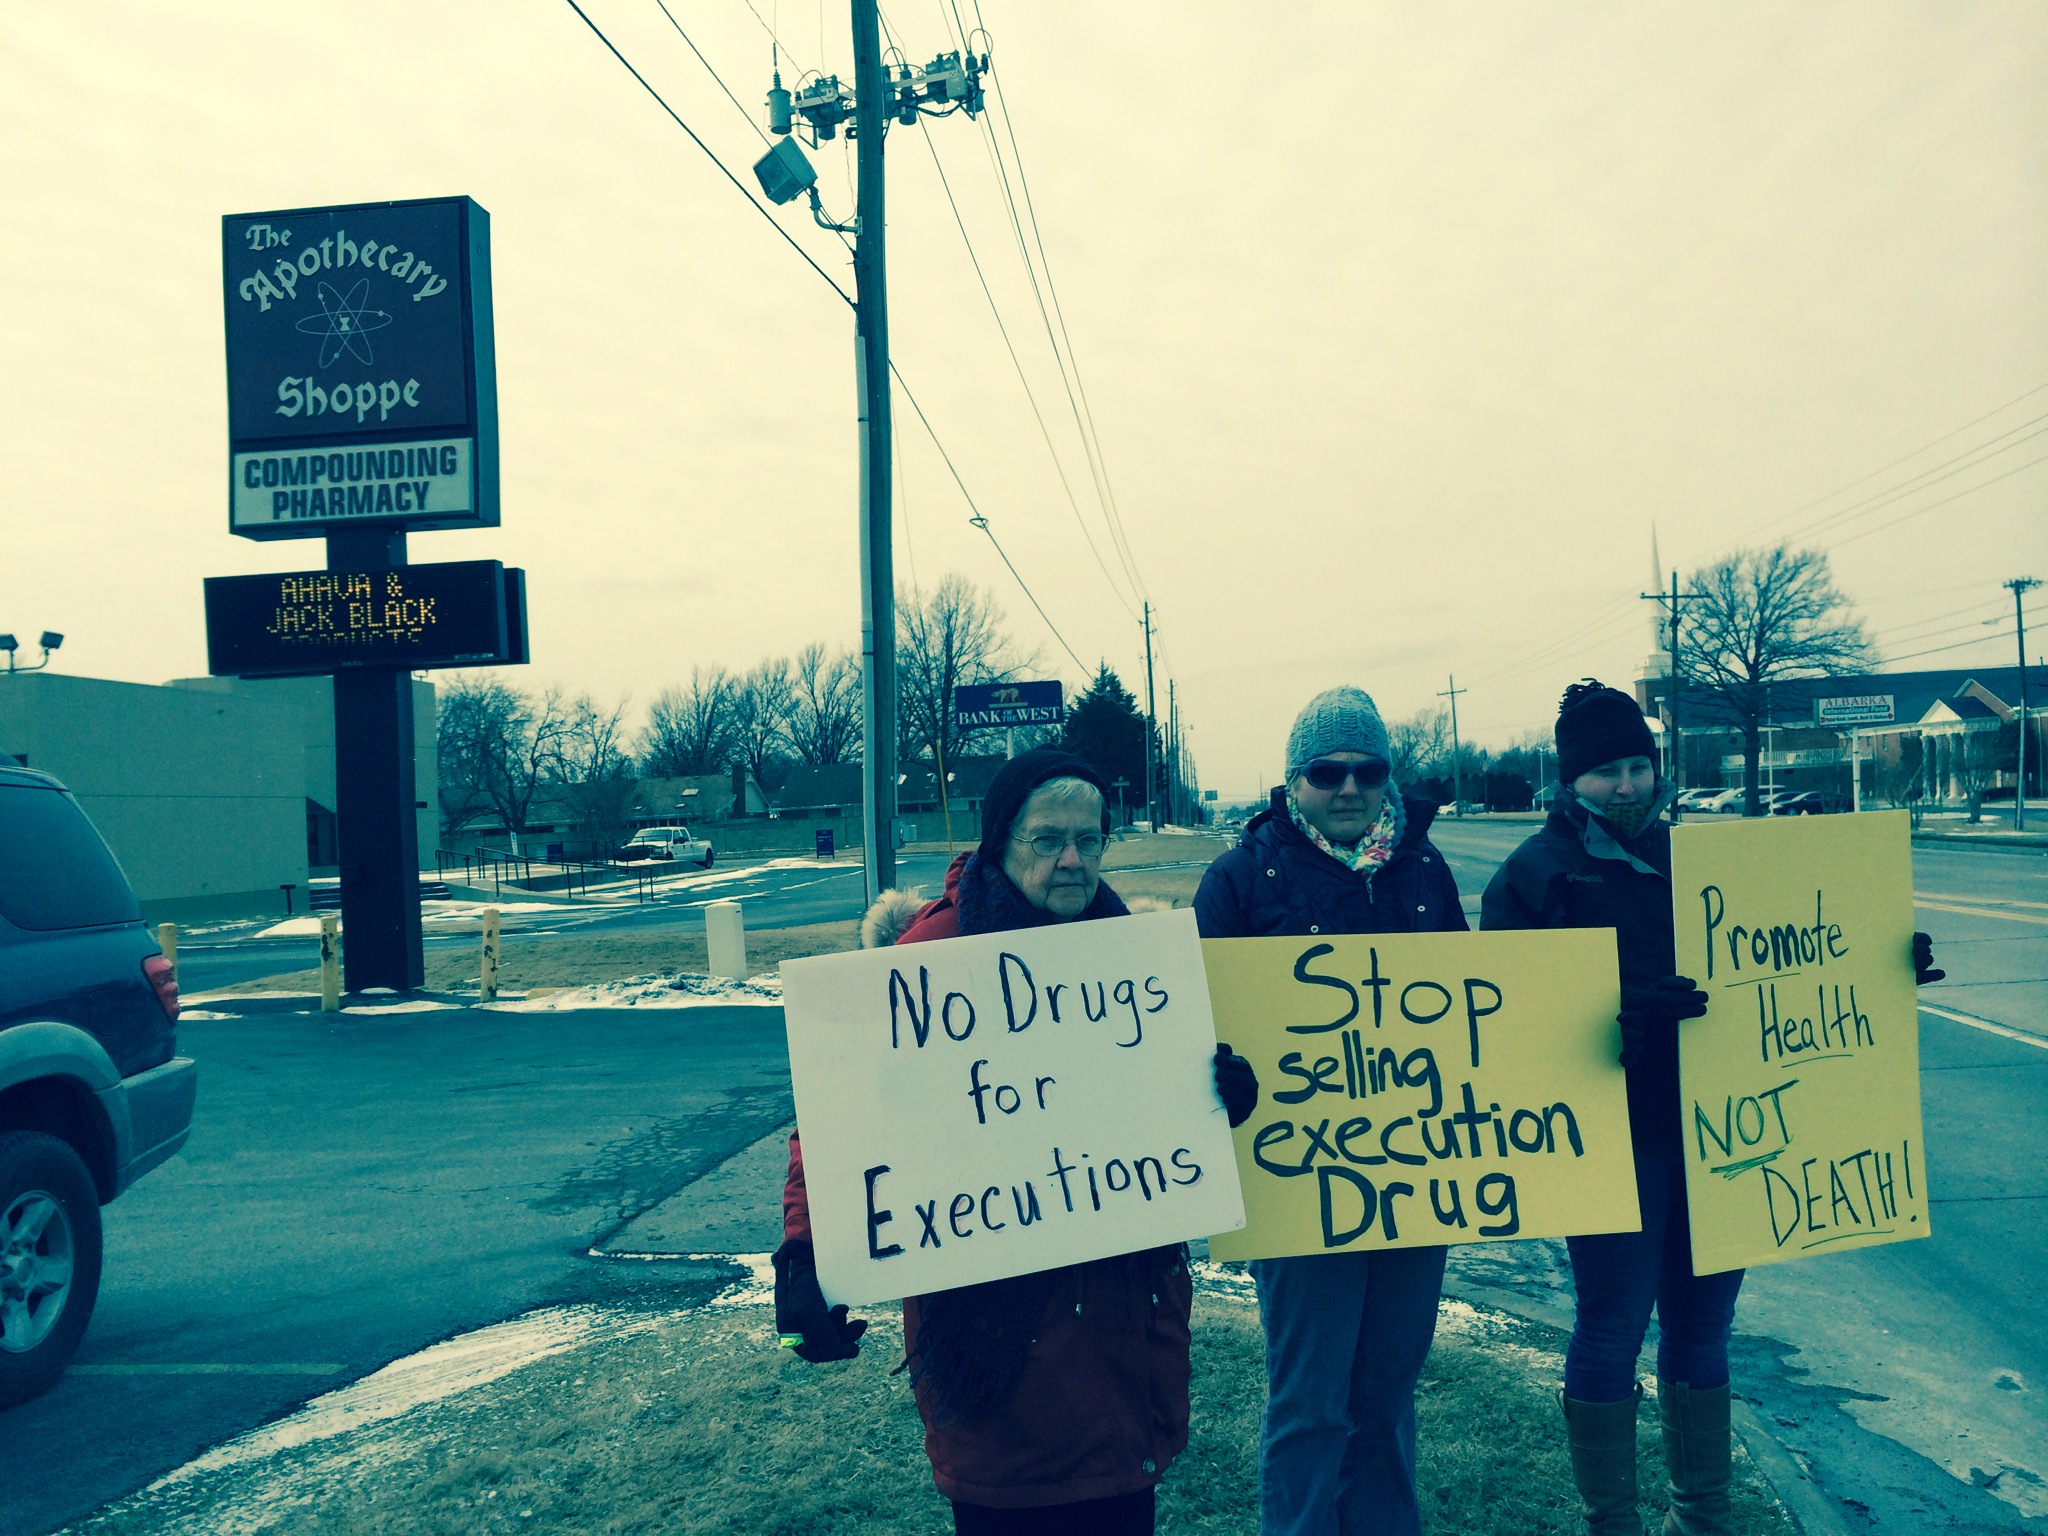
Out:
{"x": 666, "y": 843}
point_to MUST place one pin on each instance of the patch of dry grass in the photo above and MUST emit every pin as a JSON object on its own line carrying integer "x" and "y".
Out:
{"x": 705, "y": 1428}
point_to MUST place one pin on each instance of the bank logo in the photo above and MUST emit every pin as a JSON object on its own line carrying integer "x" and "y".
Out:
{"x": 343, "y": 324}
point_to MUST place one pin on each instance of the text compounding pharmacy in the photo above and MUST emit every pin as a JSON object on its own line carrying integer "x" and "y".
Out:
{"x": 395, "y": 480}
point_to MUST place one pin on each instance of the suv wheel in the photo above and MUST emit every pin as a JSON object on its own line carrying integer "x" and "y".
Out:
{"x": 707, "y": 858}
{"x": 49, "y": 1260}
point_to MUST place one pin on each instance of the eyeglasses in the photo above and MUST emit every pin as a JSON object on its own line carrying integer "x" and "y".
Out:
{"x": 1050, "y": 845}
{"x": 1327, "y": 773}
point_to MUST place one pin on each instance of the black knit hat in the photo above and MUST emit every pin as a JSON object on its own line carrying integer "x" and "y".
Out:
{"x": 1597, "y": 724}
{"x": 1012, "y": 786}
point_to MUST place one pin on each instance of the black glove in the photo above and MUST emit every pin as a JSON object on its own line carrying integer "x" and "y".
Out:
{"x": 1923, "y": 961}
{"x": 1669, "y": 999}
{"x": 1236, "y": 1086}
{"x": 1660, "y": 1004}
{"x": 800, "y": 1308}
{"x": 1633, "y": 1027}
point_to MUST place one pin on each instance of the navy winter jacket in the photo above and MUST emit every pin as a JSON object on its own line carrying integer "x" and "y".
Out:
{"x": 1579, "y": 871}
{"x": 1275, "y": 881}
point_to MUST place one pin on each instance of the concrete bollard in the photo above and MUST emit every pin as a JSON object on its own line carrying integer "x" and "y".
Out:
{"x": 330, "y": 963}
{"x": 167, "y": 941}
{"x": 725, "y": 940}
{"x": 487, "y": 978}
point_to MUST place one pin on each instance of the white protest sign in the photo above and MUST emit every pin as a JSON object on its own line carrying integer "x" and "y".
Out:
{"x": 980, "y": 1107}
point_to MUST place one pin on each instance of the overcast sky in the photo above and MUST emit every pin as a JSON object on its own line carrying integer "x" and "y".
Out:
{"x": 1402, "y": 326}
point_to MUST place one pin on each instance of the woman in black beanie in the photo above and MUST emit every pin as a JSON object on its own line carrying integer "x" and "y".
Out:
{"x": 1603, "y": 860}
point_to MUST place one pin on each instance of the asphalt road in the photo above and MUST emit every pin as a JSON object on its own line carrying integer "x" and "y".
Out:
{"x": 1912, "y": 1378}
{"x": 356, "y": 1189}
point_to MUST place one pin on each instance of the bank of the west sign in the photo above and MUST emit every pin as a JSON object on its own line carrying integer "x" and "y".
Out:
{"x": 361, "y": 384}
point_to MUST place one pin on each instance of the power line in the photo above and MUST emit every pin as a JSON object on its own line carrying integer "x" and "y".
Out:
{"x": 979, "y": 520}
{"x": 1961, "y": 462}
{"x": 743, "y": 112}
{"x": 1969, "y": 490}
{"x": 671, "y": 111}
{"x": 1895, "y": 463}
{"x": 1959, "y": 645}
{"x": 1015, "y": 362}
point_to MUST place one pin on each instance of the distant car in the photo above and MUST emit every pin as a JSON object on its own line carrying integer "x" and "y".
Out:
{"x": 1725, "y": 800}
{"x": 664, "y": 844}
{"x": 1696, "y": 799}
{"x": 1806, "y": 802}
{"x": 93, "y": 1092}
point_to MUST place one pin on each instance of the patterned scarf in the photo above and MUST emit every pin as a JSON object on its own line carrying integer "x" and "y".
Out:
{"x": 1370, "y": 851}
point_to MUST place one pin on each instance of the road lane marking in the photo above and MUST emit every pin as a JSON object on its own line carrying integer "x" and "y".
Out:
{"x": 1985, "y": 901}
{"x": 2010, "y": 917}
{"x": 207, "y": 1368}
{"x": 1987, "y": 1025}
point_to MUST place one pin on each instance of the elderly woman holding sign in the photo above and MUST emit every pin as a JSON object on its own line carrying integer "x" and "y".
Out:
{"x": 1052, "y": 1402}
{"x": 1346, "y": 1333}
{"x": 1603, "y": 860}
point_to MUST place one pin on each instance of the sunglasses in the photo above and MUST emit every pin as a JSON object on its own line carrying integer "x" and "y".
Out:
{"x": 1329, "y": 775}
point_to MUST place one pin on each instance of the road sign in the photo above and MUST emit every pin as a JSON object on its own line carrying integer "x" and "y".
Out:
{"x": 362, "y": 386}
{"x": 980, "y": 705}
{"x": 464, "y": 613}
{"x": 1854, "y": 709}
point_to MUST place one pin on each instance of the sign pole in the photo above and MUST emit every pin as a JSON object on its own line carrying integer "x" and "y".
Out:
{"x": 374, "y": 797}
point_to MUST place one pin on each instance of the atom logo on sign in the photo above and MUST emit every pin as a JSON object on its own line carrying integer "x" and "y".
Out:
{"x": 343, "y": 323}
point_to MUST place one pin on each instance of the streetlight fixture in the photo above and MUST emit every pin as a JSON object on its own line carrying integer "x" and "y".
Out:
{"x": 49, "y": 641}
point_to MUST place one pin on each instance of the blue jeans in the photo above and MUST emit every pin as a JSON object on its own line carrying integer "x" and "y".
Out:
{"x": 1620, "y": 1276}
{"x": 1346, "y": 1335}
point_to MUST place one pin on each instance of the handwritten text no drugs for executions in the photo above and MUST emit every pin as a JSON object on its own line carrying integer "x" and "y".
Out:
{"x": 1858, "y": 1194}
{"x": 1303, "y": 1143}
{"x": 1122, "y": 1007}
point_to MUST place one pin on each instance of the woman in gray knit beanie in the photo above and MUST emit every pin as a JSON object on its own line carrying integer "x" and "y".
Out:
{"x": 1340, "y": 850}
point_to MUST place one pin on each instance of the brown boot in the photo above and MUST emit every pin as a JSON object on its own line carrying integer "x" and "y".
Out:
{"x": 1696, "y": 1450}
{"x": 1602, "y": 1437}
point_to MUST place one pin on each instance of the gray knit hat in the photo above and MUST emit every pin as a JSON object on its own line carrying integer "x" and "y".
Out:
{"x": 1336, "y": 720}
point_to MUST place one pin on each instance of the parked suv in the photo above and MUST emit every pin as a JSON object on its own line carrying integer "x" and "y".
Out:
{"x": 93, "y": 1093}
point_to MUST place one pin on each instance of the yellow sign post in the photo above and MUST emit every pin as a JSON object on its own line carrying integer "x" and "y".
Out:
{"x": 1425, "y": 1088}
{"x": 1800, "y": 1089}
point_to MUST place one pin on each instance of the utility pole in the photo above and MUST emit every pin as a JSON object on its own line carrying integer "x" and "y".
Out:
{"x": 2020, "y": 586}
{"x": 871, "y": 372}
{"x": 1674, "y": 755}
{"x": 1151, "y": 800}
{"x": 1172, "y": 754}
{"x": 1457, "y": 768}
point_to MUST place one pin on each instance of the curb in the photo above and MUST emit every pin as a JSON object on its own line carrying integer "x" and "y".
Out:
{"x": 1990, "y": 842}
{"x": 1810, "y": 1508}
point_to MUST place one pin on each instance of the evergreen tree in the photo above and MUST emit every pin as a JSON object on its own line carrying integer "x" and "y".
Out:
{"x": 1105, "y": 726}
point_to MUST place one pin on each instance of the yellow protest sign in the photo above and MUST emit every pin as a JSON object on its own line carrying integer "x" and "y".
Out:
{"x": 1425, "y": 1088}
{"x": 1799, "y": 1091}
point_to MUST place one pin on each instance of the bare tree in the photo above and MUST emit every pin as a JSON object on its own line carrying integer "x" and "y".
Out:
{"x": 498, "y": 746}
{"x": 824, "y": 721}
{"x": 594, "y": 771}
{"x": 1766, "y": 616}
{"x": 763, "y": 701}
{"x": 1419, "y": 747}
{"x": 690, "y": 729}
{"x": 953, "y": 635}
{"x": 1973, "y": 764}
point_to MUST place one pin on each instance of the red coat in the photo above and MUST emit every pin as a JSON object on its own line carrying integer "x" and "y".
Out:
{"x": 1102, "y": 1406}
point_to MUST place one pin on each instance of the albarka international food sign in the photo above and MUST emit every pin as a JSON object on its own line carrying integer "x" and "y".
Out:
{"x": 361, "y": 384}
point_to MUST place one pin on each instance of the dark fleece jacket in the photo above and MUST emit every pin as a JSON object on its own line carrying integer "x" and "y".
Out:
{"x": 1581, "y": 871}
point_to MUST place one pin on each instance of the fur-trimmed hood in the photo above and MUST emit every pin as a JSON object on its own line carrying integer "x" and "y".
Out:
{"x": 890, "y": 917}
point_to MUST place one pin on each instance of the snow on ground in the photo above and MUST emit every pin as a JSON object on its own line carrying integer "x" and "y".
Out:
{"x": 654, "y": 991}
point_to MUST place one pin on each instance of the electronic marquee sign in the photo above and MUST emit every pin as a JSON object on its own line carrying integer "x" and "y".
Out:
{"x": 362, "y": 386}
{"x": 464, "y": 613}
